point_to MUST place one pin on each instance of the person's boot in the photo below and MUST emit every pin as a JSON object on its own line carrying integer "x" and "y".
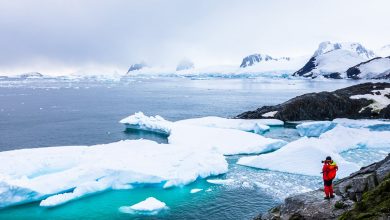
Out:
{"x": 326, "y": 190}
{"x": 331, "y": 192}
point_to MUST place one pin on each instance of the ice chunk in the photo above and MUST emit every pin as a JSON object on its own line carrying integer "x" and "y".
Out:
{"x": 239, "y": 124}
{"x": 219, "y": 181}
{"x": 61, "y": 174}
{"x": 141, "y": 122}
{"x": 149, "y": 206}
{"x": 225, "y": 141}
{"x": 195, "y": 190}
{"x": 314, "y": 129}
{"x": 378, "y": 124}
{"x": 304, "y": 156}
{"x": 260, "y": 128}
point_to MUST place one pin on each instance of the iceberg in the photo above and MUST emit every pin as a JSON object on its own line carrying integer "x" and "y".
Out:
{"x": 139, "y": 121}
{"x": 314, "y": 129}
{"x": 57, "y": 175}
{"x": 227, "y": 136}
{"x": 304, "y": 155}
{"x": 239, "y": 124}
{"x": 149, "y": 206}
{"x": 224, "y": 141}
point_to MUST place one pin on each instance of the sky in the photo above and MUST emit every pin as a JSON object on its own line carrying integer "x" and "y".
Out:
{"x": 67, "y": 36}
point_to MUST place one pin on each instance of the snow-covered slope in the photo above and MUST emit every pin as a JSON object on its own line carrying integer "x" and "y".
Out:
{"x": 377, "y": 68}
{"x": 257, "y": 58}
{"x": 332, "y": 60}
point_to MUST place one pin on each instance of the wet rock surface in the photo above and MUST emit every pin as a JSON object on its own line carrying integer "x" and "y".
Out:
{"x": 326, "y": 105}
{"x": 349, "y": 190}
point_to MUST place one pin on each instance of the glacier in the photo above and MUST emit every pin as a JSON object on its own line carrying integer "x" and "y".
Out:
{"x": 57, "y": 175}
{"x": 304, "y": 155}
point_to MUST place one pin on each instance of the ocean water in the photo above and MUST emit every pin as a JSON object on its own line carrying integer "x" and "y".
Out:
{"x": 43, "y": 113}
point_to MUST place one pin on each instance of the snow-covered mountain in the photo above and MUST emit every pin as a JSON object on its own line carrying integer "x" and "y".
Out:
{"x": 137, "y": 66}
{"x": 376, "y": 68}
{"x": 253, "y": 59}
{"x": 185, "y": 65}
{"x": 332, "y": 60}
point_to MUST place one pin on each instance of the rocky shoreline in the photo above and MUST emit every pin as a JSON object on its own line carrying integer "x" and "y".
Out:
{"x": 354, "y": 102}
{"x": 352, "y": 195}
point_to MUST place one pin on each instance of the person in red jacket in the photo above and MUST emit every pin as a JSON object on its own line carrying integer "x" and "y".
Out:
{"x": 328, "y": 174}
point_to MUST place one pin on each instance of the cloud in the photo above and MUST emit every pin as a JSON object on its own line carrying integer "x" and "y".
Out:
{"x": 70, "y": 35}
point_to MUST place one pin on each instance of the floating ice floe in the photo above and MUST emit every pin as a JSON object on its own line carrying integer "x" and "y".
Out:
{"x": 149, "y": 206}
{"x": 195, "y": 190}
{"x": 225, "y": 141}
{"x": 61, "y": 174}
{"x": 220, "y": 181}
{"x": 233, "y": 123}
{"x": 304, "y": 155}
{"x": 227, "y": 136}
{"x": 139, "y": 121}
{"x": 158, "y": 124}
{"x": 316, "y": 128}
{"x": 372, "y": 124}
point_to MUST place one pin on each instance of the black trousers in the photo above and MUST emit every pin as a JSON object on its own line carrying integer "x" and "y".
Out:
{"x": 328, "y": 182}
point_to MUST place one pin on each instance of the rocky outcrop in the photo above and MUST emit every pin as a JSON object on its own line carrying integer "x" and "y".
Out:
{"x": 349, "y": 191}
{"x": 327, "y": 105}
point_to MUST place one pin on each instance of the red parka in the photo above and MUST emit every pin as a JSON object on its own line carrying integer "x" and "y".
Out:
{"x": 329, "y": 170}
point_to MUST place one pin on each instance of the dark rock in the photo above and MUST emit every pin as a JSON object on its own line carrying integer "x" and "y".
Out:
{"x": 136, "y": 66}
{"x": 325, "y": 105}
{"x": 254, "y": 58}
{"x": 307, "y": 68}
{"x": 333, "y": 76}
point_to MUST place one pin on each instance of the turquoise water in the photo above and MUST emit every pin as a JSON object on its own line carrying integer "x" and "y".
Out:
{"x": 41, "y": 113}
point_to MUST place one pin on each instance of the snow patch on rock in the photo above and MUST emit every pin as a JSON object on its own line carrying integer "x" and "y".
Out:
{"x": 379, "y": 98}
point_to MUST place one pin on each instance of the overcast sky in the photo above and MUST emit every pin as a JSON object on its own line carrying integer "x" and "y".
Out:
{"x": 69, "y": 36}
